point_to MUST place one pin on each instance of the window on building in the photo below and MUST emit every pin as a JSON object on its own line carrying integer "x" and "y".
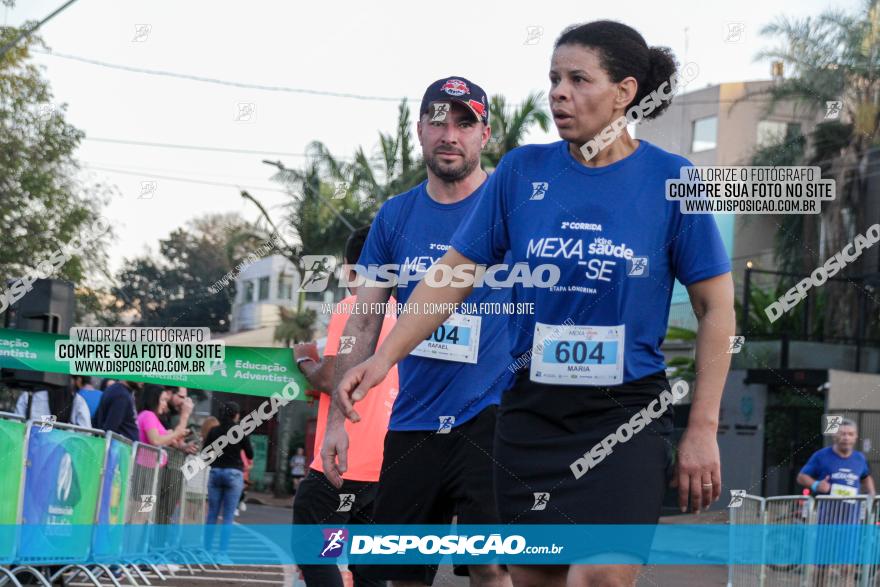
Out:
{"x": 249, "y": 287}
{"x": 264, "y": 288}
{"x": 773, "y": 132}
{"x": 705, "y": 135}
{"x": 285, "y": 286}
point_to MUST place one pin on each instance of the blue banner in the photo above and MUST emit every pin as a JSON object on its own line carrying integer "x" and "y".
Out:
{"x": 61, "y": 493}
{"x": 114, "y": 491}
{"x": 672, "y": 544}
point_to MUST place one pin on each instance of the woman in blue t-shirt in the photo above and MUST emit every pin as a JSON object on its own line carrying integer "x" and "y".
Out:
{"x": 583, "y": 434}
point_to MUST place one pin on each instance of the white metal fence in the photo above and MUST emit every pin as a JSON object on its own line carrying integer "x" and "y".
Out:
{"x": 839, "y": 527}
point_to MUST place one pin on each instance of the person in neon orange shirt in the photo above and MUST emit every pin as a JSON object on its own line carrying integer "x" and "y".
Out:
{"x": 317, "y": 501}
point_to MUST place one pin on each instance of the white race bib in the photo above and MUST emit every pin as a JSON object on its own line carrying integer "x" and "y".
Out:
{"x": 843, "y": 490}
{"x": 457, "y": 339}
{"x": 577, "y": 355}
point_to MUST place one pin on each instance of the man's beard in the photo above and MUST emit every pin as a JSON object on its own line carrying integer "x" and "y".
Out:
{"x": 451, "y": 174}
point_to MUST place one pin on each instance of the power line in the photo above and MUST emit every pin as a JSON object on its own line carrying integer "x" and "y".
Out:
{"x": 184, "y": 179}
{"x": 252, "y": 86}
{"x": 222, "y": 82}
{"x": 169, "y": 170}
{"x": 194, "y": 147}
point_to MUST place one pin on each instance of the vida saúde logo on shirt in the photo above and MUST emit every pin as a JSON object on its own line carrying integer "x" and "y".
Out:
{"x": 334, "y": 542}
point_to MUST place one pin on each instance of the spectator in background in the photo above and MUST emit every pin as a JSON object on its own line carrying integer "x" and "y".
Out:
{"x": 226, "y": 480}
{"x": 116, "y": 411}
{"x": 105, "y": 383}
{"x": 207, "y": 425}
{"x": 298, "y": 467}
{"x": 177, "y": 398}
{"x": 154, "y": 403}
{"x": 83, "y": 386}
{"x": 62, "y": 402}
{"x": 838, "y": 469}
{"x": 248, "y": 465}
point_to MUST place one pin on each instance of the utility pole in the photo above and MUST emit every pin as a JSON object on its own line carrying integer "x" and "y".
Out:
{"x": 28, "y": 32}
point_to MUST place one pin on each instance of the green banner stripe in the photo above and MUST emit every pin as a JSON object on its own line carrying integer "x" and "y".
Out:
{"x": 257, "y": 371}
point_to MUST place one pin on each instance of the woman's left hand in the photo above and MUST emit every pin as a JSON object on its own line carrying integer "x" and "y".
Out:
{"x": 697, "y": 470}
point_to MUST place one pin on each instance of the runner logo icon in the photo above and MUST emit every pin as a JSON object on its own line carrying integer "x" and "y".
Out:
{"x": 316, "y": 272}
{"x": 539, "y": 188}
{"x": 736, "y": 344}
{"x": 736, "y": 498}
{"x": 47, "y": 422}
{"x": 334, "y": 542}
{"x": 541, "y": 500}
{"x": 147, "y": 503}
{"x": 440, "y": 110}
{"x": 637, "y": 267}
{"x": 832, "y": 423}
{"x": 446, "y": 423}
{"x": 346, "y": 344}
{"x": 346, "y": 500}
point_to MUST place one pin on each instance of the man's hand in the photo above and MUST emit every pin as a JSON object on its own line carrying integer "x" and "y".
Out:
{"x": 335, "y": 446}
{"x": 186, "y": 407}
{"x": 697, "y": 470}
{"x": 191, "y": 448}
{"x": 357, "y": 381}
{"x": 306, "y": 349}
{"x": 824, "y": 485}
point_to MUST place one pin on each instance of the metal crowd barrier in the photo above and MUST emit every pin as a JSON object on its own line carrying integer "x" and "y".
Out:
{"x": 131, "y": 498}
{"x": 194, "y": 512}
{"x": 142, "y": 497}
{"x": 165, "y": 534}
{"x": 789, "y": 515}
{"x": 749, "y": 513}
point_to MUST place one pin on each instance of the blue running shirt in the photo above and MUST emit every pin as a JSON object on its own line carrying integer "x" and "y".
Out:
{"x": 619, "y": 245}
{"x": 845, "y": 474}
{"x": 413, "y": 231}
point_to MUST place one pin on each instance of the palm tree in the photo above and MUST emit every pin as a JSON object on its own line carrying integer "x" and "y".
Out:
{"x": 510, "y": 125}
{"x": 373, "y": 179}
{"x": 833, "y": 57}
{"x": 315, "y": 223}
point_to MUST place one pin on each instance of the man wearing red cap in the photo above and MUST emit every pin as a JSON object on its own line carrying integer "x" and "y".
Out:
{"x": 438, "y": 451}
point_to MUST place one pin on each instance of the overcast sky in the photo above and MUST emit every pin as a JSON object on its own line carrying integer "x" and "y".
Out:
{"x": 385, "y": 50}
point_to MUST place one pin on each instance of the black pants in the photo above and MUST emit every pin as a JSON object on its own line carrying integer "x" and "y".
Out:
{"x": 429, "y": 477}
{"x": 317, "y": 502}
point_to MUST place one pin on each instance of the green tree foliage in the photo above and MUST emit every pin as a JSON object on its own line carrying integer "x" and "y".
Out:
{"x": 173, "y": 289}
{"x": 43, "y": 205}
{"x": 832, "y": 57}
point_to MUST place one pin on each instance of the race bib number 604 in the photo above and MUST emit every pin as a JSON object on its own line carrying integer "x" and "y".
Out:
{"x": 577, "y": 355}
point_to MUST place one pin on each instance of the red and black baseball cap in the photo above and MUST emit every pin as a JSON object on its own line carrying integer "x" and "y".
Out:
{"x": 458, "y": 89}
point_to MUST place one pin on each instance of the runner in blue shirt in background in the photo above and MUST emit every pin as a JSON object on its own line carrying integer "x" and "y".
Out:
{"x": 838, "y": 470}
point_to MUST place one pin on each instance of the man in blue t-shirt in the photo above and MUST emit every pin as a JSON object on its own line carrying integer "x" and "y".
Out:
{"x": 838, "y": 469}
{"x": 437, "y": 458}
{"x": 84, "y": 387}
